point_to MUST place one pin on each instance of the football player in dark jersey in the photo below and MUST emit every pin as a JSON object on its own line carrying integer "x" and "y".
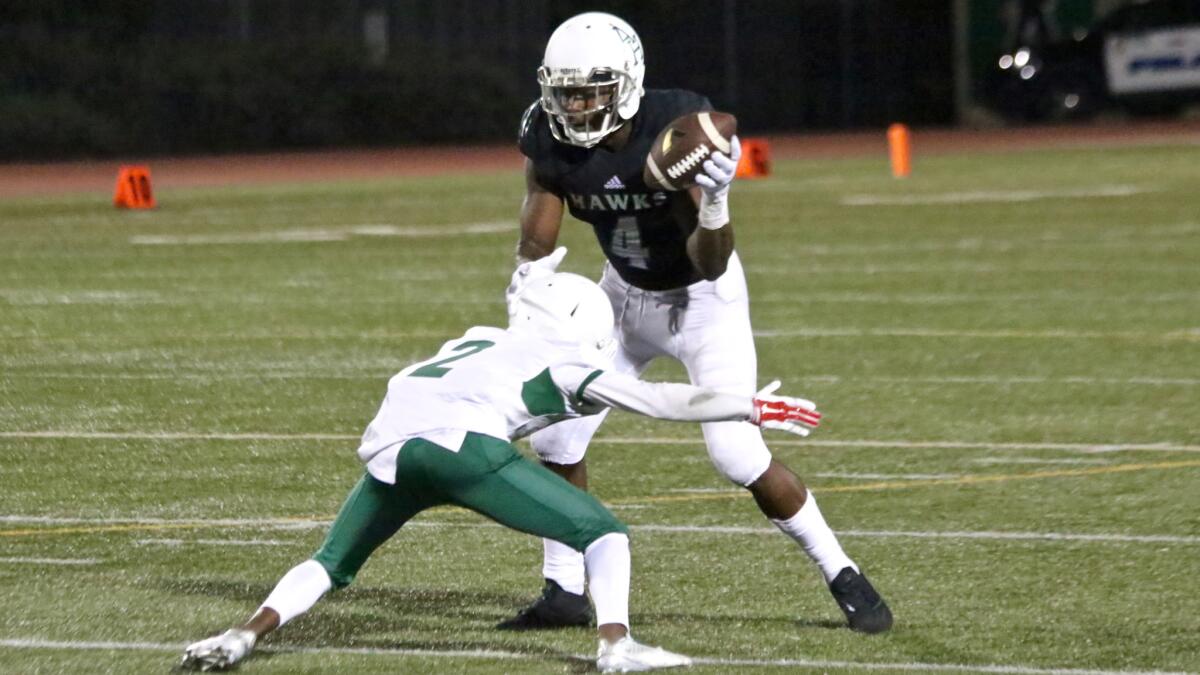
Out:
{"x": 676, "y": 286}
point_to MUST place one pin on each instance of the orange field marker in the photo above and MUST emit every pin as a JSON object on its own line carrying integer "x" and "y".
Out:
{"x": 900, "y": 150}
{"x": 756, "y": 159}
{"x": 133, "y": 188}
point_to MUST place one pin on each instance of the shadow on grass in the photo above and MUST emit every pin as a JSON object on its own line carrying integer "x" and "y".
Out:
{"x": 414, "y": 602}
{"x": 439, "y": 620}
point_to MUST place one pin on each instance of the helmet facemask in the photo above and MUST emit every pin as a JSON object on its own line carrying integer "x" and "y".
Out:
{"x": 583, "y": 108}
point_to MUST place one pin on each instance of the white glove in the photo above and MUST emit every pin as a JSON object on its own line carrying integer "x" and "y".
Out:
{"x": 528, "y": 271}
{"x": 719, "y": 171}
{"x": 793, "y": 415}
{"x": 220, "y": 652}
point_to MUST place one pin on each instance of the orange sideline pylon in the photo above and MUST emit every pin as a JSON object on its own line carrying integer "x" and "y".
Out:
{"x": 900, "y": 150}
{"x": 756, "y": 159}
{"x": 133, "y": 188}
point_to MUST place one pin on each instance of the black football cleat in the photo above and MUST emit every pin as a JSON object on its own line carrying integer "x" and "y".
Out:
{"x": 555, "y": 609}
{"x": 864, "y": 609}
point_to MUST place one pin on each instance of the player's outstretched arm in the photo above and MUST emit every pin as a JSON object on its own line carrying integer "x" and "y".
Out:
{"x": 711, "y": 244}
{"x": 687, "y": 403}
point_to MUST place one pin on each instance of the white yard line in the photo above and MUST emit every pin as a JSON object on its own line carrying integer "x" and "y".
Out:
{"x": 1011, "y": 380}
{"x": 1036, "y": 460}
{"x": 80, "y": 297}
{"x": 707, "y": 490}
{"x": 177, "y": 436}
{"x": 778, "y": 271}
{"x": 80, "y": 645}
{"x": 1029, "y": 536}
{"x": 943, "y": 299}
{"x": 885, "y": 476}
{"x": 991, "y": 196}
{"x": 904, "y": 534}
{"x": 929, "y": 445}
{"x": 1162, "y": 446}
{"x": 316, "y": 234}
{"x": 1190, "y": 334}
{"x": 216, "y": 375}
{"x": 926, "y": 445}
{"x": 1051, "y": 236}
{"x": 264, "y": 523}
{"x": 212, "y": 542}
{"x": 292, "y": 524}
{"x": 50, "y": 561}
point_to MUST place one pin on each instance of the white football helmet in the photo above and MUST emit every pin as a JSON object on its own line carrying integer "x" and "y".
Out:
{"x": 591, "y": 77}
{"x": 566, "y": 308}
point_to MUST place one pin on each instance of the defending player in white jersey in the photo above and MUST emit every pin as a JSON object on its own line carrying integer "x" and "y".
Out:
{"x": 444, "y": 433}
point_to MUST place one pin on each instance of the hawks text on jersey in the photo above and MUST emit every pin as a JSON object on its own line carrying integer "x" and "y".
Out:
{"x": 643, "y": 232}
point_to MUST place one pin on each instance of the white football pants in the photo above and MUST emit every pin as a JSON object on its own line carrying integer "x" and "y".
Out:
{"x": 706, "y": 327}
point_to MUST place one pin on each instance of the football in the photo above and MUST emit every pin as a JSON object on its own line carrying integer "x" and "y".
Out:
{"x": 679, "y": 151}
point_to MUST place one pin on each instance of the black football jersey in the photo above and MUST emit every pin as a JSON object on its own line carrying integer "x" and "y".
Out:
{"x": 643, "y": 232}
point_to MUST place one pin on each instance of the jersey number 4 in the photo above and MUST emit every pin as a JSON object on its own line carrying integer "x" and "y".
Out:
{"x": 627, "y": 243}
{"x": 438, "y": 369}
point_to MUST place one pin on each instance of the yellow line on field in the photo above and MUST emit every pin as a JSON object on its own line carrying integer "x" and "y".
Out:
{"x": 965, "y": 480}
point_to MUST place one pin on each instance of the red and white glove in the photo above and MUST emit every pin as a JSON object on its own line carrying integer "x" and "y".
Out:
{"x": 785, "y": 413}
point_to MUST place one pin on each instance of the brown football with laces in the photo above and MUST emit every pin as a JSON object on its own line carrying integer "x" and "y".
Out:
{"x": 678, "y": 153}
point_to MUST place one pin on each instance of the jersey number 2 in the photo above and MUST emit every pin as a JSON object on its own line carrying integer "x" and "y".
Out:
{"x": 436, "y": 369}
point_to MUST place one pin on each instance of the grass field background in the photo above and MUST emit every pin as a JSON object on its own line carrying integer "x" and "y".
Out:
{"x": 1006, "y": 348}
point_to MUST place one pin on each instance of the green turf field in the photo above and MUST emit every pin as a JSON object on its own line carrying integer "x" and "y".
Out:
{"x": 1006, "y": 348}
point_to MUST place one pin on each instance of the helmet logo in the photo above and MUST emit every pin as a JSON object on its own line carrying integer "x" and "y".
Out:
{"x": 635, "y": 44}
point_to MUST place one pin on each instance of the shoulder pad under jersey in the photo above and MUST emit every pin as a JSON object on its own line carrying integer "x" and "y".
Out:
{"x": 665, "y": 105}
{"x": 533, "y": 137}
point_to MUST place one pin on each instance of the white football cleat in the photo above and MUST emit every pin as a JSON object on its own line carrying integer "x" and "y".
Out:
{"x": 220, "y": 652}
{"x": 628, "y": 655}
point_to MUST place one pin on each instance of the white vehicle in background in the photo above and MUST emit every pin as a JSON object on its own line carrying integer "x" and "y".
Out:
{"x": 1143, "y": 57}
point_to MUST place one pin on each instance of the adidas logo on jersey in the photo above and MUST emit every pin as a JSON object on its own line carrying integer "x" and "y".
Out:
{"x": 614, "y": 183}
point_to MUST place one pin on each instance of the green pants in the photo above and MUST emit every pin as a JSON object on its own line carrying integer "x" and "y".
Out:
{"x": 486, "y": 475}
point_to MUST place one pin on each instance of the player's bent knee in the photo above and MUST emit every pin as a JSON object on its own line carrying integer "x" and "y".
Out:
{"x": 561, "y": 455}
{"x": 340, "y": 574}
{"x": 566, "y": 442}
{"x": 737, "y": 451}
{"x": 592, "y": 529}
{"x": 741, "y": 472}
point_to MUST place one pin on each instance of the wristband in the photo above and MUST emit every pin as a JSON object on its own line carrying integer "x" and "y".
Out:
{"x": 714, "y": 213}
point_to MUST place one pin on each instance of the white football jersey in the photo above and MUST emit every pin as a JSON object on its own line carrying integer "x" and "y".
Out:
{"x": 505, "y": 385}
{"x": 489, "y": 381}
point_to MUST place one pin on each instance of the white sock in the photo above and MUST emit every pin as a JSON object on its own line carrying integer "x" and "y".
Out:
{"x": 809, "y": 529}
{"x": 608, "y": 567}
{"x": 564, "y": 565}
{"x": 298, "y": 590}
